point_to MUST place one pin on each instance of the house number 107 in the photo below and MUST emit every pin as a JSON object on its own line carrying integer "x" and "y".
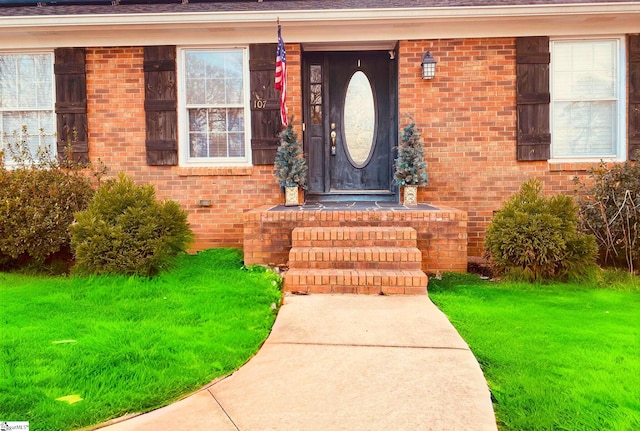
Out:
{"x": 259, "y": 104}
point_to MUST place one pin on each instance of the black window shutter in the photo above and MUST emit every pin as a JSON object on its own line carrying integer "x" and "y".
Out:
{"x": 634, "y": 96}
{"x": 71, "y": 103}
{"x": 533, "y": 98}
{"x": 160, "y": 105}
{"x": 265, "y": 104}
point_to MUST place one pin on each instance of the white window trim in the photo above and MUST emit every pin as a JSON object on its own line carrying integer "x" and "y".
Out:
{"x": 9, "y": 135}
{"x": 621, "y": 144}
{"x": 183, "y": 130}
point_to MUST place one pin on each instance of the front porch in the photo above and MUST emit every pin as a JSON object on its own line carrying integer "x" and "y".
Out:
{"x": 441, "y": 232}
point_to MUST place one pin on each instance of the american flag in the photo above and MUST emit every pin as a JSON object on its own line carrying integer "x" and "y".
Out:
{"x": 281, "y": 77}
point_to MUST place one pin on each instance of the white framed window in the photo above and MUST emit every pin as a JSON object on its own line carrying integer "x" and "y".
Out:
{"x": 213, "y": 107}
{"x": 587, "y": 99}
{"x": 27, "y": 100}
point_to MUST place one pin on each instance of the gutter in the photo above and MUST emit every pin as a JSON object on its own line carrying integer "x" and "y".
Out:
{"x": 370, "y": 16}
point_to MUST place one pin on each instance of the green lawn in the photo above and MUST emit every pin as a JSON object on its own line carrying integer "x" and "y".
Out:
{"x": 125, "y": 344}
{"x": 556, "y": 357}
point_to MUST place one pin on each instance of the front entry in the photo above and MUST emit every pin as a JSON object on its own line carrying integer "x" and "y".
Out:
{"x": 350, "y": 125}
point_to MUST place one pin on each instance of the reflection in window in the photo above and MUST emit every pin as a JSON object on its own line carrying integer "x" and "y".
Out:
{"x": 359, "y": 118}
{"x": 215, "y": 103}
{"x": 315, "y": 93}
{"x": 585, "y": 98}
{"x": 26, "y": 99}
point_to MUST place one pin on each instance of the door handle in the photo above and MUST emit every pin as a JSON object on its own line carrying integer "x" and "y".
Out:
{"x": 333, "y": 142}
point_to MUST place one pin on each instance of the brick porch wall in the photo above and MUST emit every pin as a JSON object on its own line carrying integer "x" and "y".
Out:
{"x": 442, "y": 235}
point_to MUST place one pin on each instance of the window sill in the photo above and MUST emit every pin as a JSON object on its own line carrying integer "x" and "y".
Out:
{"x": 578, "y": 165}
{"x": 220, "y": 171}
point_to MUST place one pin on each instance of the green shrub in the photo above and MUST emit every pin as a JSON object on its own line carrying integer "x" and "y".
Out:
{"x": 534, "y": 237}
{"x": 38, "y": 198}
{"x": 410, "y": 167}
{"x": 610, "y": 210}
{"x": 290, "y": 166}
{"x": 126, "y": 231}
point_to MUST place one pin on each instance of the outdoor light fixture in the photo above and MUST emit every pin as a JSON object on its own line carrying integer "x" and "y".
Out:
{"x": 428, "y": 66}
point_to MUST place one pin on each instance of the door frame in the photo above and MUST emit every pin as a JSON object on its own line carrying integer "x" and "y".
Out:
{"x": 320, "y": 133}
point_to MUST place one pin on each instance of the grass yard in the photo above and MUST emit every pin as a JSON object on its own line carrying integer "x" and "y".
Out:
{"x": 125, "y": 345}
{"x": 556, "y": 357}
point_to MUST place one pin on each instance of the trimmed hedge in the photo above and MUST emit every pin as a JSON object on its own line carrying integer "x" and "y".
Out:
{"x": 125, "y": 230}
{"x": 534, "y": 237}
{"x": 38, "y": 198}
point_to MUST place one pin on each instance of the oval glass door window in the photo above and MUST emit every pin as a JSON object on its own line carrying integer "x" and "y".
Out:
{"x": 359, "y": 119}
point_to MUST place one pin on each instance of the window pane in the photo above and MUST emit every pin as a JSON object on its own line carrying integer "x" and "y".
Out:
{"x": 195, "y": 65}
{"x": 584, "y": 95}
{"x": 26, "y": 75}
{"x": 26, "y": 99}
{"x": 234, "y": 91}
{"x": 197, "y": 145}
{"x": 233, "y": 64}
{"x": 195, "y": 91}
{"x": 584, "y": 129}
{"x": 218, "y": 145}
{"x": 235, "y": 120}
{"x": 12, "y": 122}
{"x": 218, "y": 120}
{"x": 197, "y": 120}
{"x": 8, "y": 83}
{"x": 236, "y": 144}
{"x": 315, "y": 72}
{"x": 215, "y": 93}
{"x": 584, "y": 70}
{"x": 215, "y": 96}
{"x": 316, "y": 115}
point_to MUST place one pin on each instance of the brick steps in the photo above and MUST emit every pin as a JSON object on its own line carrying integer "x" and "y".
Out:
{"x": 356, "y": 281}
{"x": 356, "y": 259}
{"x": 366, "y": 236}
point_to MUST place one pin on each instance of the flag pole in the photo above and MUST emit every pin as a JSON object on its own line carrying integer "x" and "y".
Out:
{"x": 281, "y": 76}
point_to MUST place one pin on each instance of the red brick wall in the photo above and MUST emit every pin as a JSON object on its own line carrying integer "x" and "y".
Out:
{"x": 115, "y": 98}
{"x": 467, "y": 118}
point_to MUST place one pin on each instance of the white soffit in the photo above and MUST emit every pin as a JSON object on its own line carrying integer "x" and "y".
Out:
{"x": 319, "y": 28}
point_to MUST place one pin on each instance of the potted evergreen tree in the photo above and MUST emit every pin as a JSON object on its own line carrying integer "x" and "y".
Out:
{"x": 410, "y": 167}
{"x": 290, "y": 165}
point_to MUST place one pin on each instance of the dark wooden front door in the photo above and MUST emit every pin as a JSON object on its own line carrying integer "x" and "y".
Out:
{"x": 350, "y": 125}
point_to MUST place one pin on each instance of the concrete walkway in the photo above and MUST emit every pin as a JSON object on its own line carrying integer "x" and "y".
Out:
{"x": 343, "y": 362}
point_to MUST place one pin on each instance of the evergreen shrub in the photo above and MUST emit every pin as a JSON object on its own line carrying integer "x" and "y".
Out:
{"x": 609, "y": 205}
{"x": 410, "y": 167}
{"x": 125, "y": 230}
{"x": 38, "y": 198}
{"x": 290, "y": 165}
{"x": 533, "y": 237}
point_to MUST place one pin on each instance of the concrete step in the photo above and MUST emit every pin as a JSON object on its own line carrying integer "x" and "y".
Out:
{"x": 369, "y": 281}
{"x": 349, "y": 236}
{"x": 355, "y": 257}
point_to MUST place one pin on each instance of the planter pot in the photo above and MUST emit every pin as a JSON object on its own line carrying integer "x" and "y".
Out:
{"x": 291, "y": 196}
{"x": 410, "y": 195}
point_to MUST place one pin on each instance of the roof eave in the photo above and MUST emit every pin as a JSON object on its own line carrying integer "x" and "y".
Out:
{"x": 326, "y": 25}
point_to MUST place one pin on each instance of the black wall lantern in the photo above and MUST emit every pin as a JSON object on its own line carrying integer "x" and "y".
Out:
{"x": 428, "y": 66}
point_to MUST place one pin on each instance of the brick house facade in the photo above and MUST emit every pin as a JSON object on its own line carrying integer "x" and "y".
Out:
{"x": 468, "y": 114}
